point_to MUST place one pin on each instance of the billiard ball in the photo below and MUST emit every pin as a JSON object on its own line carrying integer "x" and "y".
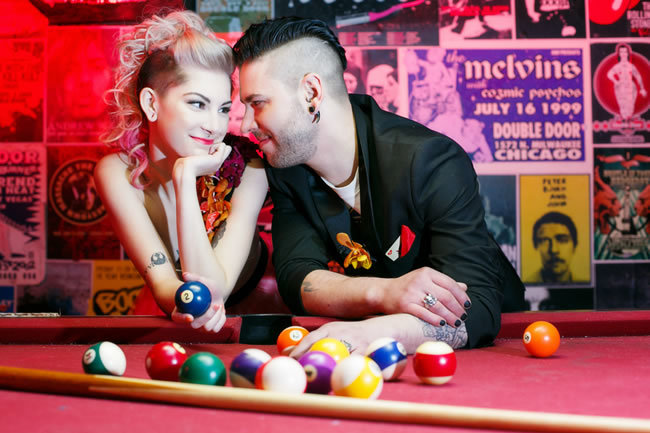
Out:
{"x": 318, "y": 367}
{"x": 334, "y": 347}
{"x": 434, "y": 362}
{"x": 289, "y": 338}
{"x": 164, "y": 360}
{"x": 541, "y": 339}
{"x": 390, "y": 356}
{"x": 357, "y": 376}
{"x": 193, "y": 297}
{"x": 104, "y": 358}
{"x": 203, "y": 368}
{"x": 245, "y": 365}
{"x": 281, "y": 374}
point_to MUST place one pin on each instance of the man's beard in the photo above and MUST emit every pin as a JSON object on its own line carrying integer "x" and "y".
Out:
{"x": 294, "y": 145}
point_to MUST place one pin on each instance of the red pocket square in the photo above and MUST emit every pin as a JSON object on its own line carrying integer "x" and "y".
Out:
{"x": 406, "y": 240}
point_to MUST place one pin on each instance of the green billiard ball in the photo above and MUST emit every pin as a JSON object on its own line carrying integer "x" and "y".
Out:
{"x": 104, "y": 358}
{"x": 203, "y": 368}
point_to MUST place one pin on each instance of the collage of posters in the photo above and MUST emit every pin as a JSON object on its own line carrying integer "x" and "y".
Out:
{"x": 549, "y": 98}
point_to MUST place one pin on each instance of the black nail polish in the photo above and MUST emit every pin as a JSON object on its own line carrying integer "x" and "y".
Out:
{"x": 467, "y": 304}
{"x": 443, "y": 323}
{"x": 463, "y": 317}
{"x": 457, "y": 323}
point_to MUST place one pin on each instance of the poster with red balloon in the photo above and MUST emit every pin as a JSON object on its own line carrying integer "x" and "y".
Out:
{"x": 620, "y": 97}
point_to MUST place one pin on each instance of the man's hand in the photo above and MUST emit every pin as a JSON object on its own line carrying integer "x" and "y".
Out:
{"x": 408, "y": 294}
{"x": 215, "y": 316}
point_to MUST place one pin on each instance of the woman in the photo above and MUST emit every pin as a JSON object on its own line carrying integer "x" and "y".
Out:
{"x": 178, "y": 195}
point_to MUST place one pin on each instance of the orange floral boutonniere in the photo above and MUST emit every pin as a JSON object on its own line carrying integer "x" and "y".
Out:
{"x": 214, "y": 206}
{"x": 358, "y": 256}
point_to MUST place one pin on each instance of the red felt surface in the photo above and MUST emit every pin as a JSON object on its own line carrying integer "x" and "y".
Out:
{"x": 596, "y": 376}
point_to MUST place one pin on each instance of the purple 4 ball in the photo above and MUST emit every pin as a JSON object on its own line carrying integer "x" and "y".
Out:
{"x": 318, "y": 367}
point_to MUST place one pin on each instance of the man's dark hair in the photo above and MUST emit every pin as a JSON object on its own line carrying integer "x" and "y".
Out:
{"x": 268, "y": 35}
{"x": 555, "y": 218}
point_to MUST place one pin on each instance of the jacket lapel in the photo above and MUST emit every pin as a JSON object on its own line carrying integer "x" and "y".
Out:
{"x": 333, "y": 212}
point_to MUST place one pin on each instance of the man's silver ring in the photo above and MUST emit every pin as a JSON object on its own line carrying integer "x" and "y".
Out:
{"x": 429, "y": 300}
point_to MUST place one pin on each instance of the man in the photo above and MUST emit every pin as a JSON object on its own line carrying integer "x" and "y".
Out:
{"x": 418, "y": 257}
{"x": 555, "y": 238}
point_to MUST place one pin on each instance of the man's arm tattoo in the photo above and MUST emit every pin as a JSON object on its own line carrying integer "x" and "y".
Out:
{"x": 455, "y": 337}
{"x": 157, "y": 259}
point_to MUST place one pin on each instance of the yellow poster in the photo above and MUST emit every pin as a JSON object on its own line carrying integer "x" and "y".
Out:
{"x": 116, "y": 285}
{"x": 555, "y": 229}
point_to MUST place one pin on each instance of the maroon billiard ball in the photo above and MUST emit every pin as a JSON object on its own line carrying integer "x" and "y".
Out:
{"x": 164, "y": 360}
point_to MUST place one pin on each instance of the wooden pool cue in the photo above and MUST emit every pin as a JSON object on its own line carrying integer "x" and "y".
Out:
{"x": 221, "y": 397}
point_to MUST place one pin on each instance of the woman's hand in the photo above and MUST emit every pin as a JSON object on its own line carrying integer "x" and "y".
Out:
{"x": 215, "y": 316}
{"x": 202, "y": 165}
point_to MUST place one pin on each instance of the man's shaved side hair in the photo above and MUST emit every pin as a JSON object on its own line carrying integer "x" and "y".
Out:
{"x": 295, "y": 47}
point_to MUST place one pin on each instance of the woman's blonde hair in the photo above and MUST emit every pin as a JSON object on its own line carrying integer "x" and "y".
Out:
{"x": 152, "y": 55}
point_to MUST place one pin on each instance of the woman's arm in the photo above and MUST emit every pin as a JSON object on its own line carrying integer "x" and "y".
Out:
{"x": 139, "y": 237}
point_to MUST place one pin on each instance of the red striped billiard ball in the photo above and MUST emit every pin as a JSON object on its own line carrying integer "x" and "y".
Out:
{"x": 541, "y": 339}
{"x": 434, "y": 362}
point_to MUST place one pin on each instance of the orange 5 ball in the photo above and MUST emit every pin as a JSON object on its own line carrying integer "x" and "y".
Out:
{"x": 541, "y": 339}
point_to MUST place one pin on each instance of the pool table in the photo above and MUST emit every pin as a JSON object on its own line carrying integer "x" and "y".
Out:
{"x": 601, "y": 369}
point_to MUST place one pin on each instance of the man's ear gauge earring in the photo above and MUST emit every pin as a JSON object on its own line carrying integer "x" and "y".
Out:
{"x": 312, "y": 109}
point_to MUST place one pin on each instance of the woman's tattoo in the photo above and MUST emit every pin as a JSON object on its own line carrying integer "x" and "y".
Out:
{"x": 455, "y": 337}
{"x": 157, "y": 259}
{"x": 308, "y": 287}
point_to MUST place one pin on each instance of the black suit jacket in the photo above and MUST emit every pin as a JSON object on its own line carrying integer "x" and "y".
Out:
{"x": 409, "y": 175}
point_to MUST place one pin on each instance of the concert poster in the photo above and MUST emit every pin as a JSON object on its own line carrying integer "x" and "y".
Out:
{"x": 555, "y": 230}
{"x": 501, "y": 105}
{"x": 621, "y": 93}
{"x": 22, "y": 213}
{"x": 233, "y": 15}
{"x": 65, "y": 289}
{"x": 619, "y": 18}
{"x": 81, "y": 63}
{"x": 475, "y": 19}
{"x": 622, "y": 286}
{"x": 21, "y": 90}
{"x": 116, "y": 285}
{"x": 77, "y": 224}
{"x": 621, "y": 204}
{"x": 499, "y": 196}
{"x": 7, "y": 299}
{"x": 371, "y": 22}
{"x": 562, "y": 19}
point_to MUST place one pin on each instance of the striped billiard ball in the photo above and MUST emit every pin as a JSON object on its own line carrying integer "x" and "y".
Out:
{"x": 434, "y": 362}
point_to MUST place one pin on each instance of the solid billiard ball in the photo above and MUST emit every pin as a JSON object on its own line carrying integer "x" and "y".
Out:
{"x": 318, "y": 367}
{"x": 357, "y": 376}
{"x": 334, "y": 347}
{"x": 541, "y": 339}
{"x": 104, "y": 358}
{"x": 164, "y": 360}
{"x": 245, "y": 365}
{"x": 203, "y": 368}
{"x": 289, "y": 338}
{"x": 390, "y": 356}
{"x": 193, "y": 297}
{"x": 281, "y": 374}
{"x": 434, "y": 362}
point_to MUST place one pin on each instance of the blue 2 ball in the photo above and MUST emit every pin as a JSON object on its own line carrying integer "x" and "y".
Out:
{"x": 193, "y": 297}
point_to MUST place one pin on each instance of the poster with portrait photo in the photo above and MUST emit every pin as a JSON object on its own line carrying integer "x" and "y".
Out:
{"x": 475, "y": 19}
{"x": 554, "y": 230}
{"x": 77, "y": 225}
{"x": 499, "y": 196}
{"x": 233, "y": 15}
{"x": 22, "y": 84}
{"x": 370, "y": 22}
{"x": 550, "y": 18}
{"x": 116, "y": 285}
{"x": 81, "y": 61}
{"x": 501, "y": 105}
{"x": 374, "y": 72}
{"x": 22, "y": 213}
{"x": 65, "y": 289}
{"x": 621, "y": 204}
{"x": 621, "y": 93}
{"x": 625, "y": 18}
